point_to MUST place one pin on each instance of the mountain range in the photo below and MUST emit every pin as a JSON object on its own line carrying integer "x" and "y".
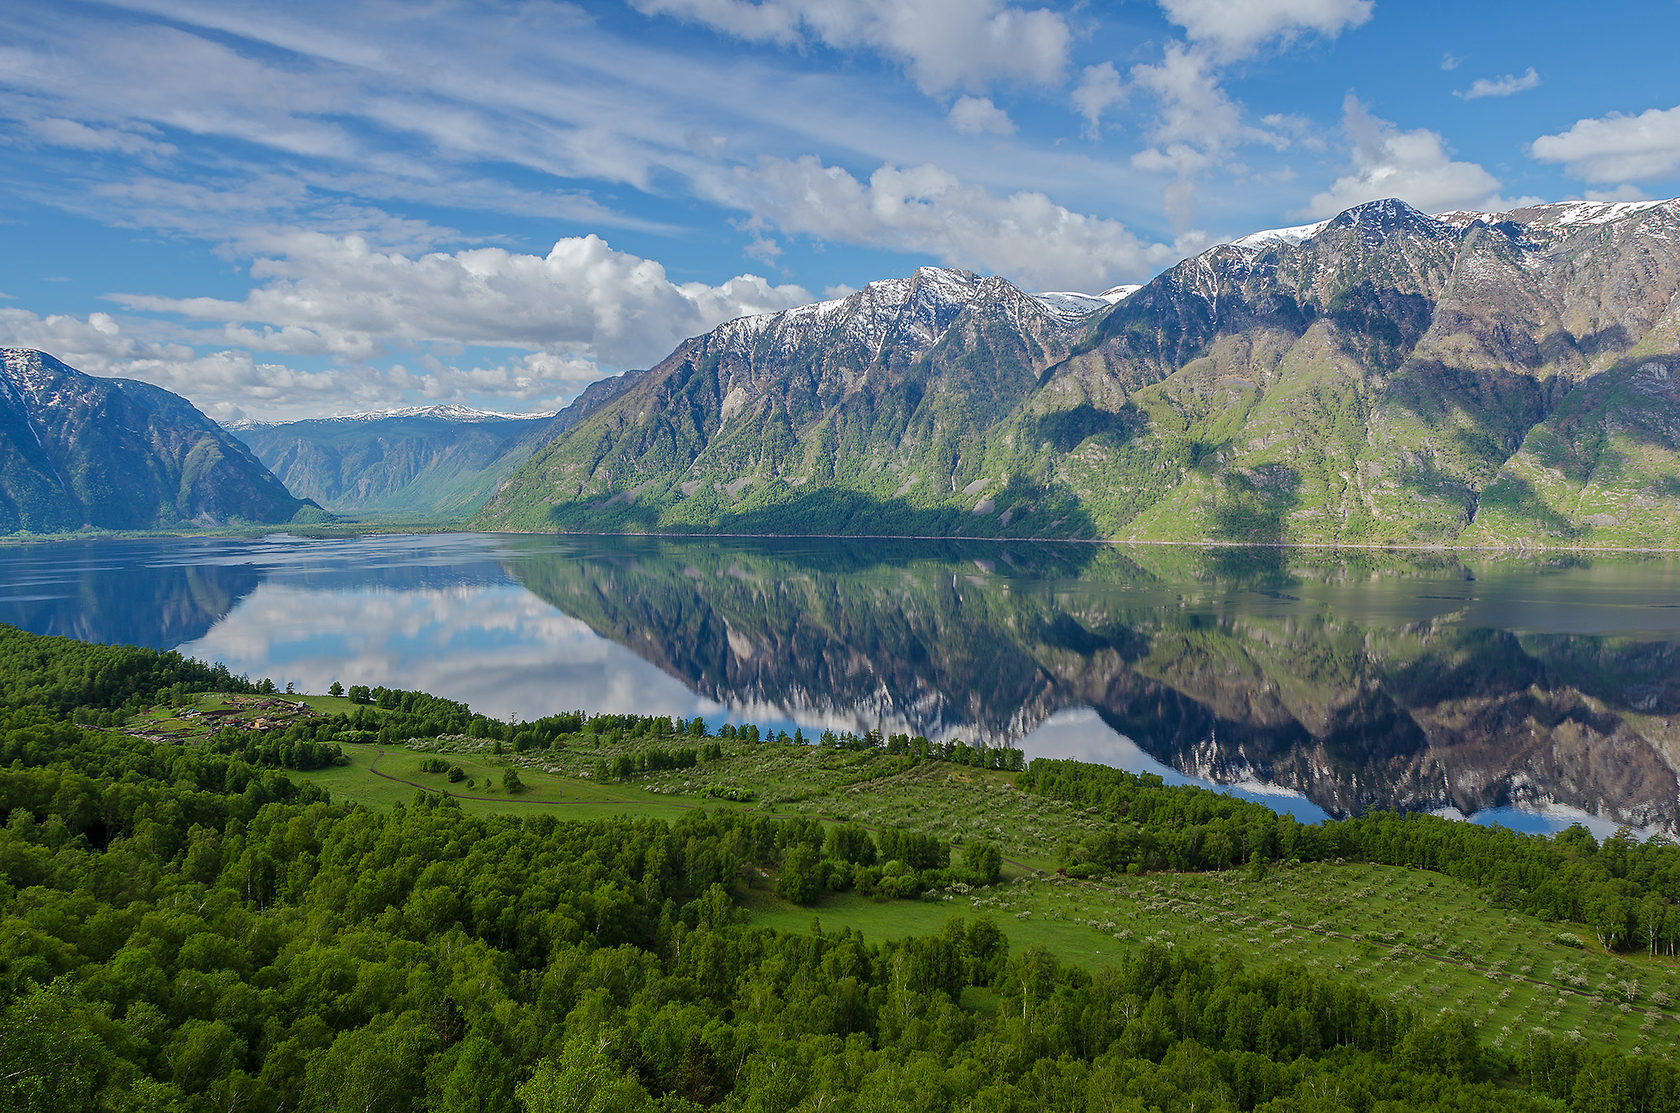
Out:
{"x": 79, "y": 451}
{"x": 424, "y": 461}
{"x": 1383, "y": 377}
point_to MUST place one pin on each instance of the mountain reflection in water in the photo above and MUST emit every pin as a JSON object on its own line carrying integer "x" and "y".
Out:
{"x": 1315, "y": 680}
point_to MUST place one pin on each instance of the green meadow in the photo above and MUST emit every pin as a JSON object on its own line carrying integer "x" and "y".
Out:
{"x": 1414, "y": 935}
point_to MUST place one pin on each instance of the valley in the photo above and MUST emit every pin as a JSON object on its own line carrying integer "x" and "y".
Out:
{"x": 839, "y": 556}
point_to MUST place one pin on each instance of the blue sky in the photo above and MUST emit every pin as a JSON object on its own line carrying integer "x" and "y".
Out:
{"x": 288, "y": 210}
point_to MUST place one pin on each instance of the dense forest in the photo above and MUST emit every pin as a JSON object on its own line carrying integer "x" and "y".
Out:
{"x": 192, "y": 928}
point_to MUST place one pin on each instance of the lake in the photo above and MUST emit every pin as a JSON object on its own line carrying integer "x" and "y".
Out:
{"x": 1532, "y": 691}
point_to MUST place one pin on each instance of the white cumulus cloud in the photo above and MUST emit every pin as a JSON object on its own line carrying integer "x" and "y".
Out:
{"x": 339, "y": 295}
{"x": 230, "y": 383}
{"x": 1617, "y": 147}
{"x": 927, "y": 210}
{"x": 979, "y": 116}
{"x": 224, "y": 384}
{"x": 942, "y": 44}
{"x": 340, "y": 307}
{"x": 1414, "y": 166}
{"x": 1196, "y": 128}
{"x": 1235, "y": 28}
{"x": 1508, "y": 85}
{"x": 1099, "y": 89}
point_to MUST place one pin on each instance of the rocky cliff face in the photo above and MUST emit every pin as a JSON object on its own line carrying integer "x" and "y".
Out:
{"x": 77, "y": 451}
{"x": 1386, "y": 376}
{"x": 883, "y": 398}
{"x": 1392, "y": 377}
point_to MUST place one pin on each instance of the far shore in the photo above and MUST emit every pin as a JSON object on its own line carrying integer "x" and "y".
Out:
{"x": 328, "y": 531}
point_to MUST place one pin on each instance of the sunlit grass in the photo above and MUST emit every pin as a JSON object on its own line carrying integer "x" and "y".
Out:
{"x": 1421, "y": 937}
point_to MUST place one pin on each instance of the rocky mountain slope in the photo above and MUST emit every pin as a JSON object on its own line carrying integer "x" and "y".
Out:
{"x": 1382, "y": 377}
{"x": 78, "y": 451}
{"x": 435, "y": 461}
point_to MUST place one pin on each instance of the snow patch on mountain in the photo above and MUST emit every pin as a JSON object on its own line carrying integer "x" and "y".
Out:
{"x": 1558, "y": 214}
{"x": 1072, "y": 303}
{"x": 1270, "y": 237}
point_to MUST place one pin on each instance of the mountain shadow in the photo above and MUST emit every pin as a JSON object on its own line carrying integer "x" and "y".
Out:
{"x": 1515, "y": 496}
{"x": 1252, "y": 507}
{"x": 1066, "y": 430}
{"x": 1018, "y": 510}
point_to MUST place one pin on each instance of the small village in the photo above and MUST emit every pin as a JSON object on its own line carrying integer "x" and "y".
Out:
{"x": 180, "y": 725}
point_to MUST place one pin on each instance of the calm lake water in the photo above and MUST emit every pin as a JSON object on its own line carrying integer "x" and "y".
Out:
{"x": 1528, "y": 691}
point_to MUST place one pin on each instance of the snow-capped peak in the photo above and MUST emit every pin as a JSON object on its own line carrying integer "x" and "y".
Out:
{"x": 1072, "y": 303}
{"x": 1558, "y": 214}
{"x": 1601, "y": 212}
{"x": 1259, "y": 241}
{"x": 449, "y": 412}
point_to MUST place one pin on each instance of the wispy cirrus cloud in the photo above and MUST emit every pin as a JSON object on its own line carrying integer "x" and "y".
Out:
{"x": 942, "y": 44}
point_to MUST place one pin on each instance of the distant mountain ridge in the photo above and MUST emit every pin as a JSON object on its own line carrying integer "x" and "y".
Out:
{"x": 420, "y": 461}
{"x": 1384, "y": 376}
{"x": 81, "y": 451}
{"x": 446, "y": 412}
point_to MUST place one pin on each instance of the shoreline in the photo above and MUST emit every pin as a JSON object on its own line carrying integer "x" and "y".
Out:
{"x": 402, "y": 529}
{"x": 1492, "y": 550}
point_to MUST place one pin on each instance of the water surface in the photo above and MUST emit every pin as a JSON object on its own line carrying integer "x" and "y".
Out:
{"x": 1529, "y": 691}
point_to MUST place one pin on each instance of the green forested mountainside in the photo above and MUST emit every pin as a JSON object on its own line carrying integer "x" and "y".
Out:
{"x": 79, "y": 451}
{"x": 432, "y": 464}
{"x": 187, "y": 929}
{"x": 1392, "y": 378}
{"x": 414, "y": 466}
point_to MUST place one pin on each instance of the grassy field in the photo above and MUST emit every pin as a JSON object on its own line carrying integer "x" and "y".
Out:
{"x": 1419, "y": 936}
{"x": 380, "y": 779}
{"x": 1412, "y": 935}
{"x": 957, "y": 803}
